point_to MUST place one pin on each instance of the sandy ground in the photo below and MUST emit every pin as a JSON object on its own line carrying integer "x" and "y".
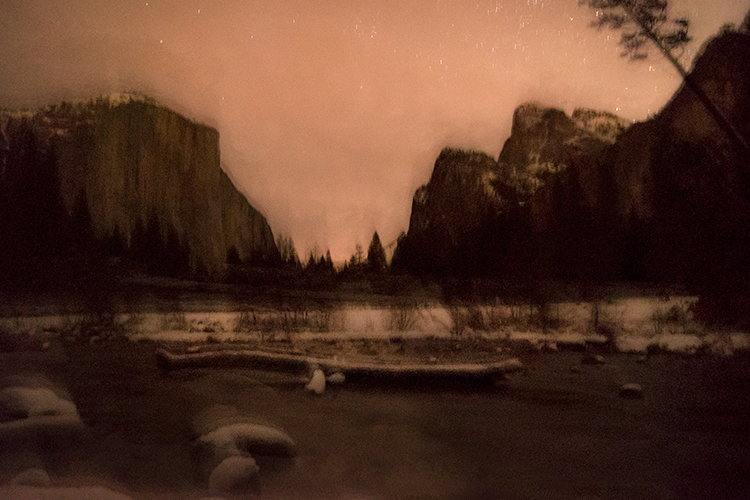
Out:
{"x": 548, "y": 433}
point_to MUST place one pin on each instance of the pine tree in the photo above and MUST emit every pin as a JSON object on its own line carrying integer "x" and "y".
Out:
{"x": 329, "y": 261}
{"x": 376, "y": 261}
{"x": 357, "y": 258}
{"x": 287, "y": 251}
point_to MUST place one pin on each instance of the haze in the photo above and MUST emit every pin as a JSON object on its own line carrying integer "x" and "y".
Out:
{"x": 332, "y": 113}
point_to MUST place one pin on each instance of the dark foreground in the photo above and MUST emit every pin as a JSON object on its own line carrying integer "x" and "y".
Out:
{"x": 548, "y": 433}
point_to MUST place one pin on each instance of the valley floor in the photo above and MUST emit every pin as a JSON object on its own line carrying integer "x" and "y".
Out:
{"x": 559, "y": 430}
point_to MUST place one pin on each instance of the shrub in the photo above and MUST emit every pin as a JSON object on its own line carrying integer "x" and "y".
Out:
{"x": 322, "y": 318}
{"x": 174, "y": 320}
{"x": 675, "y": 316}
{"x": 475, "y": 318}
{"x": 403, "y": 315}
{"x": 246, "y": 322}
{"x": 459, "y": 321}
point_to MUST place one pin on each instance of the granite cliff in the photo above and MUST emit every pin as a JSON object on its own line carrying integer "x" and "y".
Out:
{"x": 587, "y": 197}
{"x": 475, "y": 214}
{"x": 122, "y": 174}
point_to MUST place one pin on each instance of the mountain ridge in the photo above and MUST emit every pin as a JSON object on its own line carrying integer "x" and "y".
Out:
{"x": 667, "y": 200}
{"x": 129, "y": 165}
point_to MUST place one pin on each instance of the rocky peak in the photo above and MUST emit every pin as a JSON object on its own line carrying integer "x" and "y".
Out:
{"x": 603, "y": 125}
{"x": 545, "y": 141}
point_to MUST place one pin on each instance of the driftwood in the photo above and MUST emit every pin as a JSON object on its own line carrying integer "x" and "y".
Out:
{"x": 354, "y": 372}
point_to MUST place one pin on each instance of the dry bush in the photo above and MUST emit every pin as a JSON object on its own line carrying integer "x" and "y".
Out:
{"x": 321, "y": 318}
{"x": 133, "y": 322}
{"x": 475, "y": 318}
{"x": 676, "y": 317}
{"x": 403, "y": 315}
{"x": 605, "y": 323}
{"x": 459, "y": 321}
{"x": 174, "y": 320}
{"x": 246, "y": 322}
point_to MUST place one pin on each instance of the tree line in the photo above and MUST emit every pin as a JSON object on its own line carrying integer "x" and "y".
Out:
{"x": 375, "y": 262}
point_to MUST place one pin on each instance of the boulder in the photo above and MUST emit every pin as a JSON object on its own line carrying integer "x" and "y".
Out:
{"x": 336, "y": 378}
{"x": 631, "y": 391}
{"x": 317, "y": 383}
{"x": 235, "y": 475}
{"x": 27, "y": 402}
{"x": 593, "y": 359}
{"x": 222, "y": 432}
{"x": 32, "y": 477}
{"x": 243, "y": 438}
{"x": 31, "y": 410}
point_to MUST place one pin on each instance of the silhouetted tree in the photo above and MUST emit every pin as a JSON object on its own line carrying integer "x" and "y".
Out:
{"x": 397, "y": 261}
{"x": 376, "y": 261}
{"x": 31, "y": 209}
{"x": 642, "y": 21}
{"x": 311, "y": 262}
{"x": 233, "y": 258}
{"x": 287, "y": 251}
{"x": 328, "y": 263}
{"x": 113, "y": 244}
{"x": 357, "y": 259}
{"x": 175, "y": 259}
{"x": 82, "y": 230}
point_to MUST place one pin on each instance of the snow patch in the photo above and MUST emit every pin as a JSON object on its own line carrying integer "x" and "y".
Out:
{"x": 35, "y": 402}
{"x": 242, "y": 438}
{"x": 236, "y": 474}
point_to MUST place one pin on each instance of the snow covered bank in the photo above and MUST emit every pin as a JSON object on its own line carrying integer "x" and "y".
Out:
{"x": 632, "y": 324}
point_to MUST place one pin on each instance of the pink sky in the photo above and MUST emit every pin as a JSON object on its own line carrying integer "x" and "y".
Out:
{"x": 332, "y": 112}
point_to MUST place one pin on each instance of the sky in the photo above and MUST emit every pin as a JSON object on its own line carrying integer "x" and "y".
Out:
{"x": 331, "y": 113}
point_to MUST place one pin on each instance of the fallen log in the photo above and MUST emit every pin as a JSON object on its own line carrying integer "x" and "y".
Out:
{"x": 353, "y": 371}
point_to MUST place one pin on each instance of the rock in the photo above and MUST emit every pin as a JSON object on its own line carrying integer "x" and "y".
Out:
{"x": 193, "y": 349}
{"x": 593, "y": 359}
{"x": 631, "y": 391}
{"x": 317, "y": 383}
{"x": 548, "y": 346}
{"x": 34, "y": 411}
{"x": 45, "y": 346}
{"x": 37, "y": 415}
{"x": 432, "y": 360}
{"x": 221, "y": 430}
{"x": 32, "y": 477}
{"x": 575, "y": 369}
{"x": 641, "y": 359}
{"x": 336, "y": 378}
{"x": 34, "y": 402}
{"x": 255, "y": 439}
{"x": 235, "y": 475}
